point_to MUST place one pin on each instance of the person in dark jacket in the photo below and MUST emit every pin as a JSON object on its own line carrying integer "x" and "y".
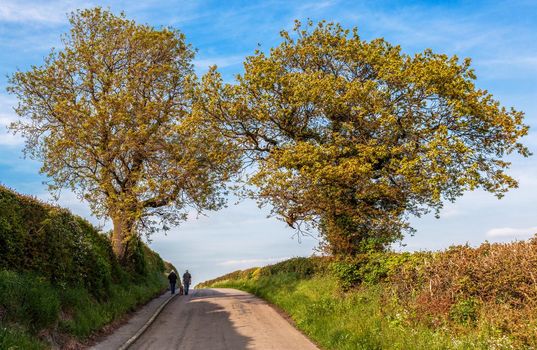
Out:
{"x": 187, "y": 278}
{"x": 172, "y": 277}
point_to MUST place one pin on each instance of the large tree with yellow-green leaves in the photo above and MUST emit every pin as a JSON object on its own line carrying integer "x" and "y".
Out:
{"x": 355, "y": 136}
{"x": 112, "y": 117}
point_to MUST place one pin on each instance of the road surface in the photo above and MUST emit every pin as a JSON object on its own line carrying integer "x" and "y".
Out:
{"x": 221, "y": 319}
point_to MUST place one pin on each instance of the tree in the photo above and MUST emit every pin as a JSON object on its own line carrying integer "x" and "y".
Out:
{"x": 112, "y": 117}
{"x": 353, "y": 137}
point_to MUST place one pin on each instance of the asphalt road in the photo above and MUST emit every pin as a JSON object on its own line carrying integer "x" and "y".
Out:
{"x": 221, "y": 319}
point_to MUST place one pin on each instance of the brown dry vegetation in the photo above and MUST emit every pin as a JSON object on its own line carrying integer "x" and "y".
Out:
{"x": 493, "y": 285}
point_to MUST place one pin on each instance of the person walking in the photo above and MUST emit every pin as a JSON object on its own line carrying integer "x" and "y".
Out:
{"x": 172, "y": 277}
{"x": 187, "y": 278}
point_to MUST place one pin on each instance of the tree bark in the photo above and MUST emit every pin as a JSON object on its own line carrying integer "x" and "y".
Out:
{"x": 119, "y": 236}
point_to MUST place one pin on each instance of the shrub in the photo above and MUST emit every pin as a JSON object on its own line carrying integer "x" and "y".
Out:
{"x": 493, "y": 284}
{"x": 347, "y": 272}
{"x": 302, "y": 267}
{"x": 465, "y": 311}
{"x": 370, "y": 268}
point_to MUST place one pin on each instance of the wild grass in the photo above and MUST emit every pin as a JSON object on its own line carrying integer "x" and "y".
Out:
{"x": 14, "y": 339}
{"x": 83, "y": 315}
{"x": 353, "y": 320}
{"x": 30, "y": 305}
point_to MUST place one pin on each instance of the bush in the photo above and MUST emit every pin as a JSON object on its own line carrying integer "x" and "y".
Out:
{"x": 13, "y": 339}
{"x": 494, "y": 285}
{"x": 296, "y": 267}
{"x": 465, "y": 311}
{"x": 370, "y": 268}
{"x": 347, "y": 273}
{"x": 301, "y": 267}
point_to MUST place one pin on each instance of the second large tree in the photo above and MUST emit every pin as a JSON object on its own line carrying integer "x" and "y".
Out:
{"x": 355, "y": 136}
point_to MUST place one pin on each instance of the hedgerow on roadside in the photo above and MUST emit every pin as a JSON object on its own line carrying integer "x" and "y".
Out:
{"x": 59, "y": 278}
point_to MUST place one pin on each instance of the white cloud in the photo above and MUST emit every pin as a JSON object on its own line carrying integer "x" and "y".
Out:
{"x": 512, "y": 232}
{"x": 251, "y": 261}
{"x": 527, "y": 62}
{"x": 7, "y": 139}
{"x": 450, "y": 210}
{"x": 6, "y": 103}
{"x": 7, "y": 116}
{"x": 49, "y": 12}
{"x": 221, "y": 62}
{"x": 315, "y": 6}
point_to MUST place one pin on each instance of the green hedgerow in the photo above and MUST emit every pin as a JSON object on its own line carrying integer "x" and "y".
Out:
{"x": 59, "y": 273}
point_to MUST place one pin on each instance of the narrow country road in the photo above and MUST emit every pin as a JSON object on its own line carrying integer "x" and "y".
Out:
{"x": 221, "y": 319}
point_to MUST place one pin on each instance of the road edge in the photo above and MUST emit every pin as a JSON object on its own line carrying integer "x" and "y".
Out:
{"x": 146, "y": 325}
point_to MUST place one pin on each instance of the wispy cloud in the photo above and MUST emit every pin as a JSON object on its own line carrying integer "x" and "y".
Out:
{"x": 8, "y": 139}
{"x": 512, "y": 232}
{"x": 528, "y": 64}
{"x": 7, "y": 116}
{"x": 251, "y": 261}
{"x": 45, "y": 12}
{"x": 450, "y": 210}
{"x": 220, "y": 61}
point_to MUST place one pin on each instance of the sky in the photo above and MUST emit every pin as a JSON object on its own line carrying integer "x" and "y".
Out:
{"x": 499, "y": 36}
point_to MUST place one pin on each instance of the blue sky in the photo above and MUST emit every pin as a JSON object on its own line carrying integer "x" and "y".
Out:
{"x": 498, "y": 35}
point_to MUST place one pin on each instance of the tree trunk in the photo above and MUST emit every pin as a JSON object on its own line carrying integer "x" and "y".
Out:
{"x": 119, "y": 236}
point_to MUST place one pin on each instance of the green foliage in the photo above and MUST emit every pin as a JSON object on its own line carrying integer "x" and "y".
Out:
{"x": 465, "y": 311}
{"x": 54, "y": 244}
{"x": 28, "y": 299}
{"x": 85, "y": 315}
{"x": 301, "y": 267}
{"x": 12, "y": 339}
{"x": 346, "y": 272}
{"x": 59, "y": 274}
{"x": 370, "y": 268}
{"x": 355, "y": 136}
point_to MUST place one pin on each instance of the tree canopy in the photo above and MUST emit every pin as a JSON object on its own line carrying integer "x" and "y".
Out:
{"x": 354, "y": 136}
{"x": 112, "y": 117}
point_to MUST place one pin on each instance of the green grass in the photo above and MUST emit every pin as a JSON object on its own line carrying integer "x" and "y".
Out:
{"x": 30, "y": 304}
{"x": 28, "y": 300}
{"x": 12, "y": 339}
{"x": 85, "y": 315}
{"x": 358, "y": 319}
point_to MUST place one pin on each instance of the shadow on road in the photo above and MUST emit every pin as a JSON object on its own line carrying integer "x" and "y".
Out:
{"x": 215, "y": 293}
{"x": 194, "y": 322}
